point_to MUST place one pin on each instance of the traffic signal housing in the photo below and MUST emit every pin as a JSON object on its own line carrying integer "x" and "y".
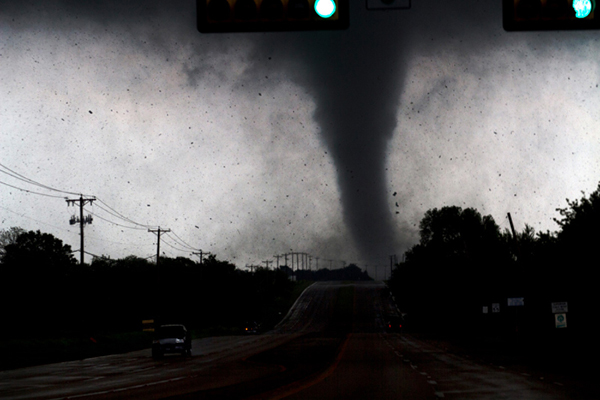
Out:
{"x": 539, "y": 15}
{"x": 271, "y": 15}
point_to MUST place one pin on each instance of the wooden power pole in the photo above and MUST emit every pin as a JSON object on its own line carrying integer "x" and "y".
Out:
{"x": 158, "y": 232}
{"x": 82, "y": 221}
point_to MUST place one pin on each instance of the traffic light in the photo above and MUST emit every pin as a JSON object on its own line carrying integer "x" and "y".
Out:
{"x": 271, "y": 15}
{"x": 539, "y": 15}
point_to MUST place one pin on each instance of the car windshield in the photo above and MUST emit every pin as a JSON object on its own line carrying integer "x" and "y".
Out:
{"x": 296, "y": 209}
{"x": 165, "y": 332}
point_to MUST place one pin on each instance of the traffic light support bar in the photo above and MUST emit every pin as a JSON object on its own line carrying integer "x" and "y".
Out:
{"x": 222, "y": 16}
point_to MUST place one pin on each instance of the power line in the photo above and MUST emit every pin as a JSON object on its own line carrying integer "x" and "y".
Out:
{"x": 173, "y": 247}
{"x": 180, "y": 241}
{"x": 23, "y": 178}
{"x": 107, "y": 208}
{"x": 31, "y": 191}
{"x": 112, "y": 222}
{"x": 36, "y": 220}
{"x": 119, "y": 215}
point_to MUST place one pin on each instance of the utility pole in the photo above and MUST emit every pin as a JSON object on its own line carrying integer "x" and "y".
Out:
{"x": 512, "y": 228}
{"x": 158, "y": 232}
{"x": 277, "y": 258}
{"x": 297, "y": 260}
{"x": 201, "y": 254}
{"x": 267, "y": 262}
{"x": 82, "y": 221}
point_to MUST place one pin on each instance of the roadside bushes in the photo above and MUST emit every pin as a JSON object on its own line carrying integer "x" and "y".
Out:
{"x": 47, "y": 293}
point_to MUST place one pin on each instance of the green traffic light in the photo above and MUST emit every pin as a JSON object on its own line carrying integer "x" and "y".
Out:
{"x": 325, "y": 8}
{"x": 582, "y": 8}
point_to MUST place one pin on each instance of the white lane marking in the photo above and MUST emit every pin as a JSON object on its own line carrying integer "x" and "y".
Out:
{"x": 439, "y": 394}
{"x": 145, "y": 369}
{"x": 432, "y": 382}
{"x": 76, "y": 396}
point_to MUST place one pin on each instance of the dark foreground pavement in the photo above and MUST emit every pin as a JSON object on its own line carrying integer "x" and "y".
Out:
{"x": 332, "y": 345}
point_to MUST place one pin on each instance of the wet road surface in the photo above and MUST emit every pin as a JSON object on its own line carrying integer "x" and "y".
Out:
{"x": 331, "y": 345}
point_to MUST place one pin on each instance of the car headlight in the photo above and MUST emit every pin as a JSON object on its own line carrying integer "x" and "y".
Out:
{"x": 179, "y": 340}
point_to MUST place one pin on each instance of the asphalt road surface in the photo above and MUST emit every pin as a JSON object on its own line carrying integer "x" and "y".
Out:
{"x": 331, "y": 345}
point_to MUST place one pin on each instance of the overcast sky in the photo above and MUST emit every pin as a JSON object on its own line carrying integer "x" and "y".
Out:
{"x": 252, "y": 145}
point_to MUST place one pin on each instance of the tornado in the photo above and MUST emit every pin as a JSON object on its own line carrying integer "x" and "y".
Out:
{"x": 356, "y": 110}
{"x": 355, "y": 79}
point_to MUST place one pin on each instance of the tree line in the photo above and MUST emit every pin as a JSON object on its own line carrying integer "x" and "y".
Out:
{"x": 348, "y": 273}
{"x": 44, "y": 290}
{"x": 459, "y": 276}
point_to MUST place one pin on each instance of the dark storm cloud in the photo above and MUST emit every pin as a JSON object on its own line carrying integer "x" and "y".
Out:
{"x": 356, "y": 78}
{"x": 353, "y": 79}
{"x": 154, "y": 27}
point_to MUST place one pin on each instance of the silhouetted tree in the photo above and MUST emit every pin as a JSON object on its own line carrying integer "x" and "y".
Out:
{"x": 9, "y": 236}
{"x": 33, "y": 276}
{"x": 573, "y": 269}
{"x": 580, "y": 224}
{"x": 41, "y": 252}
{"x": 457, "y": 264}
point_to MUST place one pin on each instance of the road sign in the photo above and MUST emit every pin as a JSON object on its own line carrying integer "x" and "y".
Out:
{"x": 485, "y": 309}
{"x": 560, "y": 307}
{"x": 148, "y": 325}
{"x": 560, "y": 320}
{"x": 516, "y": 301}
{"x": 495, "y": 307}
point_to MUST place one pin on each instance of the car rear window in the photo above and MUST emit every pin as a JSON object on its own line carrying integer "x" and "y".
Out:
{"x": 165, "y": 332}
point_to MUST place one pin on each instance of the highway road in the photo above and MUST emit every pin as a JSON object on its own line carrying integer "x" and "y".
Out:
{"x": 331, "y": 345}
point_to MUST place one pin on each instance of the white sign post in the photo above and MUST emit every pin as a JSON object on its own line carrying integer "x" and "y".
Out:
{"x": 560, "y": 320}
{"x": 560, "y": 307}
{"x": 516, "y": 301}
